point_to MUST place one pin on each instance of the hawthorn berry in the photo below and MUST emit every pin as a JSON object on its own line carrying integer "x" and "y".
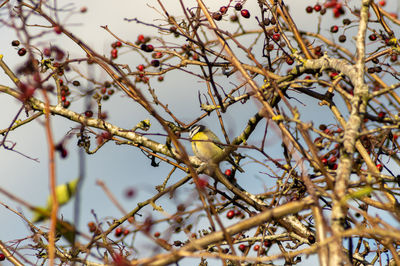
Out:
{"x": 342, "y": 38}
{"x": 242, "y": 247}
{"x": 157, "y": 55}
{"x": 157, "y": 234}
{"x": 202, "y": 182}
{"x": 155, "y": 63}
{"x": 245, "y": 13}
{"x": 267, "y": 243}
{"x": 346, "y": 21}
{"x": 375, "y": 60}
{"x": 114, "y": 53}
{"x": 57, "y": 29}
{"x": 238, "y": 6}
{"x": 140, "y": 67}
{"x": 228, "y": 172}
{"x": 66, "y": 104}
{"x": 317, "y": 7}
{"x": 372, "y": 37}
{"x": 379, "y": 166}
{"x": 309, "y": 9}
{"x": 118, "y": 232}
{"x": 223, "y": 9}
{"x": 150, "y": 48}
{"x": 334, "y": 29}
{"x": 15, "y": 43}
{"x": 118, "y": 44}
{"x": 130, "y": 192}
{"x": 217, "y": 16}
{"x": 88, "y": 113}
{"x": 289, "y": 61}
{"x": 22, "y": 52}
{"x": 230, "y": 214}
{"x": 2, "y": 257}
{"x": 141, "y": 38}
{"x": 276, "y": 37}
{"x": 256, "y": 247}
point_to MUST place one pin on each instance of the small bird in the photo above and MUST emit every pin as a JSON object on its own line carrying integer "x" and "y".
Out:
{"x": 64, "y": 194}
{"x": 205, "y": 147}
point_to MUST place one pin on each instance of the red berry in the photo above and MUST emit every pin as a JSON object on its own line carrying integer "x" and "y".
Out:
{"x": 15, "y": 43}
{"x": 126, "y": 232}
{"x": 332, "y": 159}
{"x": 64, "y": 153}
{"x": 155, "y": 63}
{"x": 88, "y": 113}
{"x": 324, "y": 161}
{"x": 230, "y": 214}
{"x": 382, "y": 3}
{"x": 372, "y": 37}
{"x": 379, "y": 166}
{"x": 223, "y": 9}
{"x": 381, "y": 114}
{"x": 242, "y": 247}
{"x": 160, "y": 78}
{"x": 333, "y": 75}
{"x": 130, "y": 192}
{"x": 217, "y": 16}
{"x": 2, "y": 257}
{"x": 114, "y": 53}
{"x": 334, "y": 29}
{"x": 289, "y": 61}
{"x": 276, "y": 37}
{"x": 157, "y": 55}
{"x": 63, "y": 98}
{"x": 22, "y": 52}
{"x": 256, "y": 247}
{"x": 202, "y": 182}
{"x": 118, "y": 232}
{"x": 238, "y": 6}
{"x": 245, "y": 13}
{"x": 157, "y": 234}
{"x": 140, "y": 67}
{"x": 150, "y": 48}
{"x": 309, "y": 9}
{"x": 228, "y": 172}
{"x": 57, "y": 29}
{"x": 267, "y": 243}
{"x": 317, "y": 7}
{"x": 141, "y": 38}
{"x": 118, "y": 44}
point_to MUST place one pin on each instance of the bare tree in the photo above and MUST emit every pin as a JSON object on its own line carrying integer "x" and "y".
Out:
{"x": 335, "y": 191}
